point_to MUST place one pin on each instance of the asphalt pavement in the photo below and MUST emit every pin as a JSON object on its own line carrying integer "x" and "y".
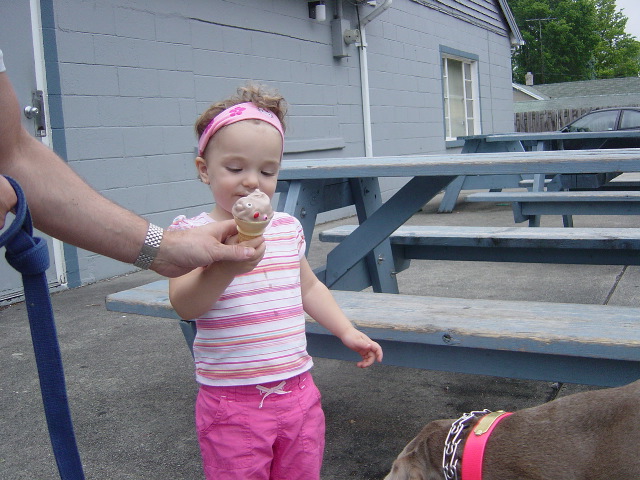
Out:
{"x": 131, "y": 385}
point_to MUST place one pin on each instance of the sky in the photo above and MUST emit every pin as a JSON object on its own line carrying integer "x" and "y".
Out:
{"x": 631, "y": 10}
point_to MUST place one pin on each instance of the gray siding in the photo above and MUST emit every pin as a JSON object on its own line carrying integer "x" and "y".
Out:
{"x": 406, "y": 79}
{"x": 134, "y": 74}
{"x": 484, "y": 13}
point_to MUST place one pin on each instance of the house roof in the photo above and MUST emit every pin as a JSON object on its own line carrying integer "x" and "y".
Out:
{"x": 609, "y": 92}
{"x": 530, "y": 91}
{"x": 585, "y": 88}
{"x": 516, "y": 36}
{"x": 590, "y": 102}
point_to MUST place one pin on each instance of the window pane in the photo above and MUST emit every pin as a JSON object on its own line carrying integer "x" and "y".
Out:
{"x": 468, "y": 89}
{"x": 630, "y": 119}
{"x": 447, "y": 120}
{"x": 456, "y": 98}
{"x": 456, "y": 84}
{"x": 458, "y": 127}
{"x": 469, "y": 108}
{"x": 467, "y": 71}
{"x": 596, "y": 122}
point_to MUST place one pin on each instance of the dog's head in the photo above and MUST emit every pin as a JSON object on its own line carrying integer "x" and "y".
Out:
{"x": 421, "y": 459}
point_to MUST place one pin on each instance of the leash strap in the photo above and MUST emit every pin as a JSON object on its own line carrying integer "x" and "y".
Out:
{"x": 29, "y": 256}
{"x": 473, "y": 454}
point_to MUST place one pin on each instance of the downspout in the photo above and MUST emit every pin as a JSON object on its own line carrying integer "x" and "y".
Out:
{"x": 364, "y": 90}
{"x": 364, "y": 76}
{"x": 375, "y": 13}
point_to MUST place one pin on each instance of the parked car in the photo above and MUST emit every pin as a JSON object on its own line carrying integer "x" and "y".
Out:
{"x": 605, "y": 120}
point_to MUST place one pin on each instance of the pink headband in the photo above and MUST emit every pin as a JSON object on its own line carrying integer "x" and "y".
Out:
{"x": 237, "y": 113}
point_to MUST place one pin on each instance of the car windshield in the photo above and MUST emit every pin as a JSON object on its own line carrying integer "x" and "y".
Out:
{"x": 595, "y": 122}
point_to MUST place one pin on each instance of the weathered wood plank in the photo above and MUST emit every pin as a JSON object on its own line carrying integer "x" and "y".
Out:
{"x": 556, "y": 197}
{"x": 591, "y": 344}
{"x": 530, "y": 205}
{"x": 516, "y": 237}
{"x": 532, "y": 326}
{"x": 590, "y": 246}
{"x": 151, "y": 299}
{"x": 543, "y": 162}
{"x": 551, "y": 135}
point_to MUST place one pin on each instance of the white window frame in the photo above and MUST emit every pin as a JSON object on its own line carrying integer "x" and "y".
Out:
{"x": 470, "y": 95}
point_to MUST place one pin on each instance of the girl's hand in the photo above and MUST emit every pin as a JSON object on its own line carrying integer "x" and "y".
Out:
{"x": 369, "y": 350}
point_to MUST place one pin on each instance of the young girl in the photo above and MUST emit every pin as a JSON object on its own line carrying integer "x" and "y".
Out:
{"x": 258, "y": 412}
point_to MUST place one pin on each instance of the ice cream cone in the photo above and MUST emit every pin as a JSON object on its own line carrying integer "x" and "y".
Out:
{"x": 250, "y": 230}
{"x": 252, "y": 215}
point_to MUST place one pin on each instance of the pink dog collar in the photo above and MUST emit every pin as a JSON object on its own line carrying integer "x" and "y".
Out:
{"x": 237, "y": 113}
{"x": 473, "y": 453}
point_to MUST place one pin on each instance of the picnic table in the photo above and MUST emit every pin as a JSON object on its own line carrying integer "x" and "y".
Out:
{"x": 541, "y": 141}
{"x": 529, "y": 340}
{"x": 310, "y": 187}
{"x": 520, "y": 141}
{"x": 531, "y": 205}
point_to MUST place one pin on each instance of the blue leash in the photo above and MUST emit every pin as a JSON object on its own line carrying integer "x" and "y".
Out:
{"x": 29, "y": 256}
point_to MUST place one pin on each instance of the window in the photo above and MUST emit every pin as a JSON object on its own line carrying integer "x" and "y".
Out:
{"x": 596, "y": 122}
{"x": 630, "y": 119}
{"x": 460, "y": 86}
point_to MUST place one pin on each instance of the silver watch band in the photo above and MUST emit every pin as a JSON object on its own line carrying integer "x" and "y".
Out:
{"x": 150, "y": 248}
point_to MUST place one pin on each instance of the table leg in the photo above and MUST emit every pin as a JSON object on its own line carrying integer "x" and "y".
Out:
{"x": 476, "y": 145}
{"x": 379, "y": 225}
{"x": 380, "y": 265}
{"x": 303, "y": 200}
{"x": 451, "y": 194}
{"x": 538, "y": 185}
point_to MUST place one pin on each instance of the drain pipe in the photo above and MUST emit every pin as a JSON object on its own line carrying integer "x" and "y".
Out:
{"x": 364, "y": 90}
{"x": 364, "y": 76}
{"x": 375, "y": 13}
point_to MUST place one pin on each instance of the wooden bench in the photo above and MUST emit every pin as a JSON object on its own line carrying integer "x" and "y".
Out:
{"x": 596, "y": 181}
{"x": 530, "y": 205}
{"x": 585, "y": 344}
{"x": 594, "y": 246}
{"x": 626, "y": 181}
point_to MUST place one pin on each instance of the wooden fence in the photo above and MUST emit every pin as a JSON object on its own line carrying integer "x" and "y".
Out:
{"x": 551, "y": 120}
{"x": 547, "y": 120}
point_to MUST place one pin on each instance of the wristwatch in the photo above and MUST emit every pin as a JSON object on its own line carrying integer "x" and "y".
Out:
{"x": 150, "y": 248}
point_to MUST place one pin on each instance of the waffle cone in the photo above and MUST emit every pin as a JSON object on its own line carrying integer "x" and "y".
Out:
{"x": 245, "y": 238}
{"x": 250, "y": 230}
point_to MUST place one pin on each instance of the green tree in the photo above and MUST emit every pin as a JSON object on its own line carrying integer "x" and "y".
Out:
{"x": 617, "y": 53}
{"x": 568, "y": 40}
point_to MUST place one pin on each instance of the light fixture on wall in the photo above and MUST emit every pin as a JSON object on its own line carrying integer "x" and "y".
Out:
{"x": 318, "y": 10}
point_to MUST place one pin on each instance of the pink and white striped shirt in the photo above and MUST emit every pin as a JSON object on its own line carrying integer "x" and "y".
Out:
{"x": 255, "y": 332}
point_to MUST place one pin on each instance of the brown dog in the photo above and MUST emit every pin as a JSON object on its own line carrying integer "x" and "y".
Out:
{"x": 585, "y": 436}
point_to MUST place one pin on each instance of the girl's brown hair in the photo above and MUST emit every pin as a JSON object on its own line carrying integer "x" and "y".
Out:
{"x": 259, "y": 95}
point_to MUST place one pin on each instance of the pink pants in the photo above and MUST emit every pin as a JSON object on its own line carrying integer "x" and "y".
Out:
{"x": 261, "y": 432}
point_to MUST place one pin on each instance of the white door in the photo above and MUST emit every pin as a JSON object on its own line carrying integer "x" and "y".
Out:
{"x": 21, "y": 42}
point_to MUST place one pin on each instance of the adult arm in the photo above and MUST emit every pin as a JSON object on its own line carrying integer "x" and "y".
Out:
{"x": 193, "y": 294}
{"x": 8, "y": 199}
{"x": 64, "y": 206}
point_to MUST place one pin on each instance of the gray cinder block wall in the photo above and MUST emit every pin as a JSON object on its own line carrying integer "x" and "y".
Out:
{"x": 134, "y": 75}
